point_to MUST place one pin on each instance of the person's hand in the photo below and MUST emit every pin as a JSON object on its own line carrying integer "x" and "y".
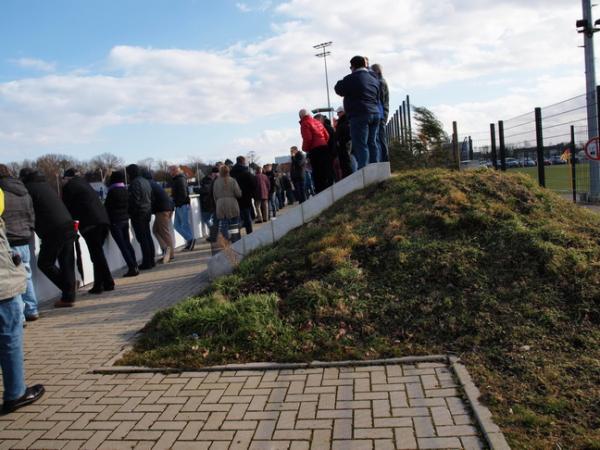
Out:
{"x": 16, "y": 259}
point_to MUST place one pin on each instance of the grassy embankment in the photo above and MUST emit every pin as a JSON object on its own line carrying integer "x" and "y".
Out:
{"x": 481, "y": 264}
{"x": 558, "y": 178}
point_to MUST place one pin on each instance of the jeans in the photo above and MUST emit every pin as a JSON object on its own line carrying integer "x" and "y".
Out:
{"x": 299, "y": 191}
{"x": 11, "y": 348}
{"x": 29, "y": 297}
{"x": 59, "y": 247}
{"x": 207, "y": 219}
{"x": 225, "y": 225}
{"x": 364, "y": 131}
{"x": 246, "y": 217}
{"x": 182, "y": 222}
{"x": 95, "y": 238}
{"x": 141, "y": 228}
{"x": 382, "y": 142}
{"x": 272, "y": 204}
{"x": 120, "y": 233}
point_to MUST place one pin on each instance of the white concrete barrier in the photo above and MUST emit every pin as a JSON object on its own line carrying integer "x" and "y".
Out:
{"x": 46, "y": 290}
{"x": 224, "y": 262}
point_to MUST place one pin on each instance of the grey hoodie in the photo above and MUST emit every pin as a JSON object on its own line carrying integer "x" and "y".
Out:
{"x": 18, "y": 211}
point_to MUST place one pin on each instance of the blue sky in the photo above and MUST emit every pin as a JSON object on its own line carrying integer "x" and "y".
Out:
{"x": 172, "y": 79}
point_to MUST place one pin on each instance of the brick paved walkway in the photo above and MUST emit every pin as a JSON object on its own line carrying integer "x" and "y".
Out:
{"x": 409, "y": 406}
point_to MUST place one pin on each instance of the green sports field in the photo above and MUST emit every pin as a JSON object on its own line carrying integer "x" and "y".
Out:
{"x": 558, "y": 178}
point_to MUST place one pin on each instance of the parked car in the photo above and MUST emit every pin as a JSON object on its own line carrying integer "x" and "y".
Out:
{"x": 547, "y": 162}
{"x": 555, "y": 160}
{"x": 486, "y": 163}
{"x": 469, "y": 164}
{"x": 528, "y": 162}
{"x": 511, "y": 163}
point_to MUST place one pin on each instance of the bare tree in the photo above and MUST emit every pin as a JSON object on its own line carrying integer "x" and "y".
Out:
{"x": 53, "y": 165}
{"x": 106, "y": 162}
{"x": 147, "y": 163}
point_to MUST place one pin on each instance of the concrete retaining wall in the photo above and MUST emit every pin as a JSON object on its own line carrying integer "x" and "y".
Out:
{"x": 224, "y": 262}
{"x": 46, "y": 290}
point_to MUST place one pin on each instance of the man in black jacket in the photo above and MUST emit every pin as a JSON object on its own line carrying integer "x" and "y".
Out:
{"x": 54, "y": 226}
{"x": 140, "y": 211}
{"x": 298, "y": 173}
{"x": 19, "y": 218}
{"x": 181, "y": 198}
{"x": 343, "y": 142}
{"x": 84, "y": 204}
{"x": 247, "y": 183}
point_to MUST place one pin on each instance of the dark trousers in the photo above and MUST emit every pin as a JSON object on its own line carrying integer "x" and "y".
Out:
{"x": 299, "y": 190}
{"x": 320, "y": 161}
{"x": 246, "y": 217}
{"x": 94, "y": 238}
{"x": 345, "y": 161}
{"x": 59, "y": 248}
{"x": 120, "y": 233}
{"x": 382, "y": 141}
{"x": 141, "y": 228}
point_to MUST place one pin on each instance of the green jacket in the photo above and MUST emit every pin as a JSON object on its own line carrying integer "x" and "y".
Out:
{"x": 12, "y": 278}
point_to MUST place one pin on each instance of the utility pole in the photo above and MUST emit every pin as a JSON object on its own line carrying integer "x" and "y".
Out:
{"x": 587, "y": 28}
{"x": 324, "y": 54}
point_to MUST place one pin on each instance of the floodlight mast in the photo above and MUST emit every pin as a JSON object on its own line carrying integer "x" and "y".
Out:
{"x": 324, "y": 54}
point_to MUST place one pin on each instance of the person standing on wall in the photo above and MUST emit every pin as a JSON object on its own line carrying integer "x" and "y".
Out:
{"x": 315, "y": 142}
{"x": 85, "y": 206}
{"x": 19, "y": 218}
{"x": 117, "y": 207}
{"x": 360, "y": 90}
{"x": 54, "y": 226}
{"x": 13, "y": 283}
{"x": 384, "y": 111}
{"x": 181, "y": 198}
{"x": 298, "y": 173}
{"x": 162, "y": 208}
{"x": 140, "y": 211}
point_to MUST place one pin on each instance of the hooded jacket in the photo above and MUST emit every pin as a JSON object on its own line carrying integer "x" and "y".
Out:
{"x": 140, "y": 193}
{"x": 84, "y": 204}
{"x": 314, "y": 134}
{"x": 52, "y": 218}
{"x": 18, "y": 216}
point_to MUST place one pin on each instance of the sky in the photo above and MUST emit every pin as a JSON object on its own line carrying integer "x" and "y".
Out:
{"x": 180, "y": 79}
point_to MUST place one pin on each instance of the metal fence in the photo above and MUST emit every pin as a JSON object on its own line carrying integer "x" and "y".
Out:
{"x": 546, "y": 143}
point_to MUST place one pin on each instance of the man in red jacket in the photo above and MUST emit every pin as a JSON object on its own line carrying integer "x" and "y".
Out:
{"x": 315, "y": 143}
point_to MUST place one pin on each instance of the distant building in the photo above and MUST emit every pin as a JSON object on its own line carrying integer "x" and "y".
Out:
{"x": 282, "y": 159}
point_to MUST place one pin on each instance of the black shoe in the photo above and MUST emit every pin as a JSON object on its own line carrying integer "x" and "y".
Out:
{"x": 146, "y": 267}
{"x": 132, "y": 273}
{"x": 192, "y": 245}
{"x": 96, "y": 290}
{"x": 109, "y": 287}
{"x": 32, "y": 394}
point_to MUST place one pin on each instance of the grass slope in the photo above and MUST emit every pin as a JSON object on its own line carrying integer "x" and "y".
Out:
{"x": 478, "y": 263}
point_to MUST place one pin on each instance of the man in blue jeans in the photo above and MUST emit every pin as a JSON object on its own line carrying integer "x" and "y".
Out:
{"x": 181, "y": 199}
{"x": 12, "y": 285}
{"x": 360, "y": 90}
{"x": 19, "y": 219}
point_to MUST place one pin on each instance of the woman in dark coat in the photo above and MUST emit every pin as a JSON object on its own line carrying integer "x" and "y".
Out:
{"x": 117, "y": 206}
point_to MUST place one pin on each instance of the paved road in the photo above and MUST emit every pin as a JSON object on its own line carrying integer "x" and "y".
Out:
{"x": 410, "y": 406}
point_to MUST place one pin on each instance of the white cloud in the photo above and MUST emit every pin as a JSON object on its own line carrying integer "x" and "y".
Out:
{"x": 421, "y": 45}
{"x": 270, "y": 143}
{"x": 35, "y": 64}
